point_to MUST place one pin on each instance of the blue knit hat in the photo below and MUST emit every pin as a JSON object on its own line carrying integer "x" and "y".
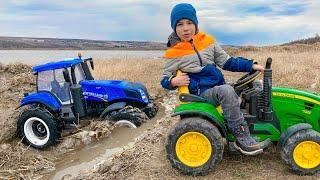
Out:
{"x": 183, "y": 11}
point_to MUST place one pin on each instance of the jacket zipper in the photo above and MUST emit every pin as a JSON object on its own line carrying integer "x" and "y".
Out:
{"x": 200, "y": 60}
{"x": 195, "y": 49}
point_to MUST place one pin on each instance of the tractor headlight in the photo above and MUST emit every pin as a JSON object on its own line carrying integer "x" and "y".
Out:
{"x": 143, "y": 96}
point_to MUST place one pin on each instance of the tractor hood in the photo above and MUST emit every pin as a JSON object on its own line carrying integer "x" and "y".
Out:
{"x": 298, "y": 95}
{"x": 114, "y": 90}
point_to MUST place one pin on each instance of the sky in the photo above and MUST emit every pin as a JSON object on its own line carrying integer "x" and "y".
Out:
{"x": 231, "y": 22}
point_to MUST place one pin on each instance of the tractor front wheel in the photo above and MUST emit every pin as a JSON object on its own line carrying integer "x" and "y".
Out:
{"x": 129, "y": 114}
{"x": 194, "y": 146}
{"x": 301, "y": 152}
{"x": 38, "y": 128}
{"x": 151, "y": 109}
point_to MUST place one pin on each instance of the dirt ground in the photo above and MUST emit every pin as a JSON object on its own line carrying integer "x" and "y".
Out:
{"x": 294, "y": 66}
{"x": 15, "y": 79}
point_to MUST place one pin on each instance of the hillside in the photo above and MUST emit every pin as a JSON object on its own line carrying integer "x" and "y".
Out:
{"x": 311, "y": 40}
{"x": 81, "y": 44}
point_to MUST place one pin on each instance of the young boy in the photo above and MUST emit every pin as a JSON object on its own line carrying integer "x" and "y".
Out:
{"x": 197, "y": 54}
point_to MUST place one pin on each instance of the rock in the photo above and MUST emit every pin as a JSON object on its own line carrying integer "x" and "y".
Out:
{"x": 129, "y": 146}
{"x": 66, "y": 177}
{"x": 5, "y": 147}
{"x": 84, "y": 136}
{"x": 115, "y": 168}
{"x": 67, "y": 143}
{"x": 92, "y": 133}
{"x": 104, "y": 167}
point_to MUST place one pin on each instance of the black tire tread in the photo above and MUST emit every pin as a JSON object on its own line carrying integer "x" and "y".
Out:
{"x": 151, "y": 111}
{"x": 204, "y": 127}
{"x": 291, "y": 143}
{"x": 132, "y": 114}
{"x": 52, "y": 123}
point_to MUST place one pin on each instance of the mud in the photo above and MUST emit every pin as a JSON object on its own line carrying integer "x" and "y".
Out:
{"x": 85, "y": 158}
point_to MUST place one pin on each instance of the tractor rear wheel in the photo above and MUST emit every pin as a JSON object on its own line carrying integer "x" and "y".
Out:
{"x": 301, "y": 152}
{"x": 194, "y": 146}
{"x": 38, "y": 128}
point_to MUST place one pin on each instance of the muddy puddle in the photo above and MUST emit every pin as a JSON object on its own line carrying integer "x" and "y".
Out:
{"x": 71, "y": 163}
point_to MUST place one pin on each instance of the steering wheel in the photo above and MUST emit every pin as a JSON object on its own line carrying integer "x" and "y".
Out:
{"x": 247, "y": 78}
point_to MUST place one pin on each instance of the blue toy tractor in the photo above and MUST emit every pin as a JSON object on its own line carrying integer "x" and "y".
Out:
{"x": 67, "y": 92}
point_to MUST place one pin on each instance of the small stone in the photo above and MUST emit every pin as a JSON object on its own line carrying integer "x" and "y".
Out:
{"x": 92, "y": 133}
{"x": 5, "y": 146}
{"x": 66, "y": 177}
{"x": 115, "y": 168}
{"x": 105, "y": 166}
{"x": 82, "y": 134}
{"x": 129, "y": 146}
{"x": 67, "y": 143}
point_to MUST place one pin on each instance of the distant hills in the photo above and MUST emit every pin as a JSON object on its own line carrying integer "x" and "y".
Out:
{"x": 7, "y": 43}
{"x": 311, "y": 40}
{"x": 10, "y": 43}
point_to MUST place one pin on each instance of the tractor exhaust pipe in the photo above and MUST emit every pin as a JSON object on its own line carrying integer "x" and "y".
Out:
{"x": 77, "y": 96}
{"x": 78, "y": 100}
{"x": 267, "y": 85}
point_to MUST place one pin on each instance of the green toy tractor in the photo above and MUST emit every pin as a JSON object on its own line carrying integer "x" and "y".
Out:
{"x": 288, "y": 117}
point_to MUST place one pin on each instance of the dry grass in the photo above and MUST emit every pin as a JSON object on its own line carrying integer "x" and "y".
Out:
{"x": 16, "y": 162}
{"x": 15, "y": 79}
{"x": 296, "y": 66}
{"x": 145, "y": 71}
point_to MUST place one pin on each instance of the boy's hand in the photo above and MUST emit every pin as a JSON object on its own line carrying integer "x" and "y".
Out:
{"x": 182, "y": 80}
{"x": 258, "y": 67}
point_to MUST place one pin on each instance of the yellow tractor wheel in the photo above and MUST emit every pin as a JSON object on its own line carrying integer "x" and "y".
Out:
{"x": 194, "y": 146}
{"x": 301, "y": 152}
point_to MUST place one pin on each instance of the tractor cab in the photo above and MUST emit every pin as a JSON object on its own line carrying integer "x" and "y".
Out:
{"x": 54, "y": 82}
{"x": 54, "y": 77}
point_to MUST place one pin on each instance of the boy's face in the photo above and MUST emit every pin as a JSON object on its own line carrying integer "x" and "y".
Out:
{"x": 185, "y": 29}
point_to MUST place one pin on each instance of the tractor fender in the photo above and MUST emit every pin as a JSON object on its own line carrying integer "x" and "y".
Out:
{"x": 290, "y": 131}
{"x": 112, "y": 107}
{"x": 206, "y": 116}
{"x": 43, "y": 97}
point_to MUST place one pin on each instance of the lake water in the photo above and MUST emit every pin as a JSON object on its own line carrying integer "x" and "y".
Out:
{"x": 42, "y": 56}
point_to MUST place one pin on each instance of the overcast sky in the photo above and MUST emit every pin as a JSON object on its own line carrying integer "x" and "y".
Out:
{"x": 234, "y": 22}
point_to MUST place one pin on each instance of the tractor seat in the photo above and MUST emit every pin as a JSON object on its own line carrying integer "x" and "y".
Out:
{"x": 185, "y": 97}
{"x": 61, "y": 92}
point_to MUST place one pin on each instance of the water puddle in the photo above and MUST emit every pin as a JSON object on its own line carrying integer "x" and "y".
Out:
{"x": 71, "y": 163}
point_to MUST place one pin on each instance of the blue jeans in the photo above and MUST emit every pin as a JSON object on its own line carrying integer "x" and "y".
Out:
{"x": 227, "y": 97}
